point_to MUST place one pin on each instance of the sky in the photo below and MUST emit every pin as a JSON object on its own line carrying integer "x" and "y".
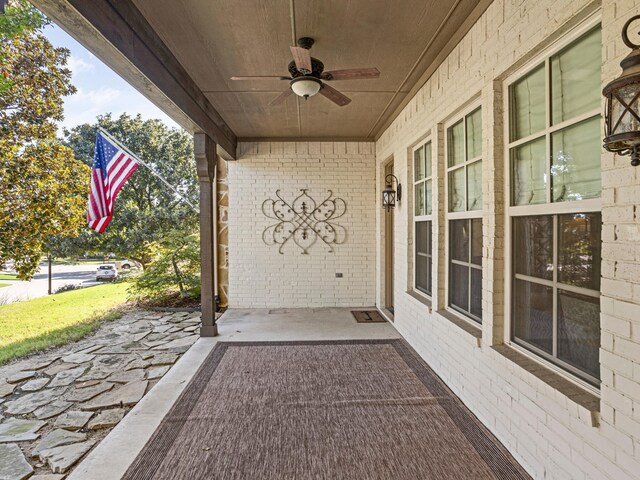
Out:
{"x": 100, "y": 90}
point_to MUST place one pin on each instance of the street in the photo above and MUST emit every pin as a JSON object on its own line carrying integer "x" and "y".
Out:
{"x": 38, "y": 286}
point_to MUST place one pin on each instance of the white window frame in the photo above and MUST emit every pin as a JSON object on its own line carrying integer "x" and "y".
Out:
{"x": 464, "y": 215}
{"x": 422, "y": 218}
{"x": 546, "y": 209}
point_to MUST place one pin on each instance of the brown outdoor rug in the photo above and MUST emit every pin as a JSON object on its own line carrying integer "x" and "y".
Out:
{"x": 368, "y": 316}
{"x": 320, "y": 410}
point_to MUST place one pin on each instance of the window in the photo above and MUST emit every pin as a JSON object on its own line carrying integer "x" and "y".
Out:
{"x": 554, "y": 153}
{"x": 422, "y": 194}
{"x": 464, "y": 215}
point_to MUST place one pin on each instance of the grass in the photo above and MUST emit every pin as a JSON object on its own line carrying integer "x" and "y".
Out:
{"x": 32, "y": 325}
{"x": 73, "y": 261}
{"x": 8, "y": 276}
{"x": 4, "y": 284}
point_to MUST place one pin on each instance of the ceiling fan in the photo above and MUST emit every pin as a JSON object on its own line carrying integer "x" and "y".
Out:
{"x": 308, "y": 76}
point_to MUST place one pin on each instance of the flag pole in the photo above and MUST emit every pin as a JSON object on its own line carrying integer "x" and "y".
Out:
{"x": 153, "y": 172}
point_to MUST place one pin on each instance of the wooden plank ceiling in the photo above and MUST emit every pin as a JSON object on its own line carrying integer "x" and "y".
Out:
{"x": 215, "y": 40}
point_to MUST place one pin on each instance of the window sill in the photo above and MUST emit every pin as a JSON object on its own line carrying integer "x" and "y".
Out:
{"x": 472, "y": 330}
{"x": 421, "y": 298}
{"x": 588, "y": 404}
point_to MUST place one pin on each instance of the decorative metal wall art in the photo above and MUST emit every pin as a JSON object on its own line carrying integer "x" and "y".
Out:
{"x": 304, "y": 221}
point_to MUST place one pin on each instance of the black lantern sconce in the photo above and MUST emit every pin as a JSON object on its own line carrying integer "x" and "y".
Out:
{"x": 389, "y": 195}
{"x": 622, "y": 115}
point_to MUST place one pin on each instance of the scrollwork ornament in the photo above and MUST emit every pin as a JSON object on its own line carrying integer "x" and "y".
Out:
{"x": 304, "y": 221}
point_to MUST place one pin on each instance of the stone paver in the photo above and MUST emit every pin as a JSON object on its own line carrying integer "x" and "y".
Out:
{"x": 127, "y": 376}
{"x": 84, "y": 394}
{"x": 78, "y": 358}
{"x": 128, "y": 394}
{"x": 29, "y": 402}
{"x": 157, "y": 372}
{"x": 21, "y": 376}
{"x": 74, "y": 393}
{"x": 18, "y": 430}
{"x": 13, "y": 465}
{"x": 106, "y": 419}
{"x": 57, "y": 438}
{"x": 67, "y": 377}
{"x": 61, "y": 459}
{"x": 34, "y": 385}
{"x": 6, "y": 388}
{"x": 73, "y": 420}
{"x": 52, "y": 409}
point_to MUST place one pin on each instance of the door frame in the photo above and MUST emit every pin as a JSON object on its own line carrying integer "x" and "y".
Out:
{"x": 388, "y": 279}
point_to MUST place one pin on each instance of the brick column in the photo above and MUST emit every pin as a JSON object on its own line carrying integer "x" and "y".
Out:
{"x": 205, "y": 153}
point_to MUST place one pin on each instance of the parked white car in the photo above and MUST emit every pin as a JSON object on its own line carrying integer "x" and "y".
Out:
{"x": 127, "y": 264}
{"x": 106, "y": 271}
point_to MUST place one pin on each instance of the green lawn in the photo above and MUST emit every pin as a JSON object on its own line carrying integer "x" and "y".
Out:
{"x": 4, "y": 284}
{"x": 8, "y": 276}
{"x": 32, "y": 325}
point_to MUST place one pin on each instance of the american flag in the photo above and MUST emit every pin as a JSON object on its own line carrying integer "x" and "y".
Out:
{"x": 112, "y": 167}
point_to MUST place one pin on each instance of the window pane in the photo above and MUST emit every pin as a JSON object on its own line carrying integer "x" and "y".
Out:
{"x": 579, "y": 249}
{"x": 533, "y": 246}
{"x": 476, "y": 241}
{"x": 529, "y": 173}
{"x": 474, "y": 134}
{"x": 423, "y": 274}
{"x": 579, "y": 331}
{"x": 428, "y": 197}
{"x": 575, "y": 169}
{"x": 455, "y": 142}
{"x": 527, "y": 104}
{"x": 459, "y": 286}
{"x": 474, "y": 186}
{"x": 575, "y": 78}
{"x": 423, "y": 257}
{"x": 419, "y": 199}
{"x": 456, "y": 190}
{"x": 533, "y": 314}
{"x": 418, "y": 162}
{"x": 476, "y": 293}
{"x": 459, "y": 240}
{"x": 427, "y": 159}
{"x": 423, "y": 241}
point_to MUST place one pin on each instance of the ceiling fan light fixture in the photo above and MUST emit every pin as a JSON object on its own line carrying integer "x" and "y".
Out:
{"x": 306, "y": 86}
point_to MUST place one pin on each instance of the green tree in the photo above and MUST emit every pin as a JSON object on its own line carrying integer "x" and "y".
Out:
{"x": 43, "y": 189}
{"x": 145, "y": 210}
{"x": 19, "y": 17}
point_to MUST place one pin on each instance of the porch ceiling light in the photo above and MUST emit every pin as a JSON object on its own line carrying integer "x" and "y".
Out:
{"x": 389, "y": 195}
{"x": 306, "y": 86}
{"x": 622, "y": 114}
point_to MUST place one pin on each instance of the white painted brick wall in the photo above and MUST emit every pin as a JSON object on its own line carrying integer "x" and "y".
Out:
{"x": 547, "y": 432}
{"x": 259, "y": 276}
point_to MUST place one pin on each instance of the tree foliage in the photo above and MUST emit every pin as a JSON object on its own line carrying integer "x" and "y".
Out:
{"x": 176, "y": 268}
{"x": 146, "y": 209}
{"x": 19, "y": 17}
{"x": 43, "y": 189}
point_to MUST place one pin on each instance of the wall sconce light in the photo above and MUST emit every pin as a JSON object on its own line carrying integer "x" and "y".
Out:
{"x": 389, "y": 195}
{"x": 622, "y": 113}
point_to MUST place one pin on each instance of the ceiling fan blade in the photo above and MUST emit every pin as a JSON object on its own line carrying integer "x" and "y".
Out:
{"x": 281, "y": 98}
{"x": 302, "y": 58}
{"x": 352, "y": 74}
{"x": 262, "y": 77}
{"x": 334, "y": 95}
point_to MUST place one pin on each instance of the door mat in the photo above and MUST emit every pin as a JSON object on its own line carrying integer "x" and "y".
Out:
{"x": 368, "y": 316}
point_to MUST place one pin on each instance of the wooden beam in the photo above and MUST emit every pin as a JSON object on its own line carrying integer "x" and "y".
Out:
{"x": 117, "y": 32}
{"x": 206, "y": 159}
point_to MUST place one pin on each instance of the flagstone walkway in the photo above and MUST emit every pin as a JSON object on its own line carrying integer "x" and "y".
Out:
{"x": 57, "y": 405}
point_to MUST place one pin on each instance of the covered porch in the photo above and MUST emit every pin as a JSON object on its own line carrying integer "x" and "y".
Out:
{"x": 508, "y": 260}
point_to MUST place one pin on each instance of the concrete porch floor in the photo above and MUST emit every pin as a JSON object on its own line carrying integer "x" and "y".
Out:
{"x": 111, "y": 458}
